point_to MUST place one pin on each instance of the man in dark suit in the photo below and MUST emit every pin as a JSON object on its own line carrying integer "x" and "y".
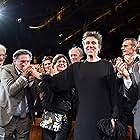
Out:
{"x": 16, "y": 105}
{"x": 128, "y": 86}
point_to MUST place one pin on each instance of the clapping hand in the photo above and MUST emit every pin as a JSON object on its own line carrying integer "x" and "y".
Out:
{"x": 35, "y": 73}
{"x": 27, "y": 71}
{"x": 122, "y": 67}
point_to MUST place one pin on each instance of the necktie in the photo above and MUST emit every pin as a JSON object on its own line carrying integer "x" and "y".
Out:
{"x": 125, "y": 89}
{"x": 23, "y": 108}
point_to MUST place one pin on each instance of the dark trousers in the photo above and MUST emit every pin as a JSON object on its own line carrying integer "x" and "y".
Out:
{"x": 51, "y": 135}
{"x": 17, "y": 129}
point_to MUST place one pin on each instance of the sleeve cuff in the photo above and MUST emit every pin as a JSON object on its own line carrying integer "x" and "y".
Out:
{"x": 127, "y": 82}
{"x": 25, "y": 79}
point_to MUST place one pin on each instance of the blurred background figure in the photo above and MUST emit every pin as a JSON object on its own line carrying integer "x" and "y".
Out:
{"x": 138, "y": 44}
{"x": 47, "y": 64}
{"x": 2, "y": 54}
{"x": 36, "y": 66}
{"x": 76, "y": 54}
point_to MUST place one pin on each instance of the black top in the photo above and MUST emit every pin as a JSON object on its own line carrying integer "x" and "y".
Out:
{"x": 96, "y": 86}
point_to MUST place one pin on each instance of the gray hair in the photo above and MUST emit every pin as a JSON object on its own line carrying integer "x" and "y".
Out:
{"x": 3, "y": 47}
{"x": 95, "y": 34}
{"x": 133, "y": 40}
{"x": 22, "y": 52}
{"x": 79, "y": 49}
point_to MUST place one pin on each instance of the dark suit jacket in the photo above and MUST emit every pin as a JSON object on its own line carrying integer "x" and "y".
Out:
{"x": 127, "y": 103}
{"x": 13, "y": 87}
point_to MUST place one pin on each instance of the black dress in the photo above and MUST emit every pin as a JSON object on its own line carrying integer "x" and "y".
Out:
{"x": 96, "y": 86}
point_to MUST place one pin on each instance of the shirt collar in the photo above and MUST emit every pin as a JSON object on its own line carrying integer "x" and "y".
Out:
{"x": 18, "y": 72}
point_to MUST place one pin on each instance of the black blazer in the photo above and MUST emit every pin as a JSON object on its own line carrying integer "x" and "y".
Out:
{"x": 127, "y": 103}
{"x": 61, "y": 102}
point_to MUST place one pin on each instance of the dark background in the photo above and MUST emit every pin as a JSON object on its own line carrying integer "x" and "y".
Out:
{"x": 59, "y": 24}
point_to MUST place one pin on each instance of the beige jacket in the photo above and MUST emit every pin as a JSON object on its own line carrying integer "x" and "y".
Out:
{"x": 11, "y": 92}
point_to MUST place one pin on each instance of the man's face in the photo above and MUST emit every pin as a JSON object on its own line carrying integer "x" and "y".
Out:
{"x": 127, "y": 48}
{"x": 22, "y": 61}
{"x": 2, "y": 56}
{"x": 128, "y": 51}
{"x": 91, "y": 46}
{"x": 75, "y": 55}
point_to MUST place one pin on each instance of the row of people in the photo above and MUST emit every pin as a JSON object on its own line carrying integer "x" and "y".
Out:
{"x": 20, "y": 70}
{"x": 128, "y": 87}
{"x": 93, "y": 79}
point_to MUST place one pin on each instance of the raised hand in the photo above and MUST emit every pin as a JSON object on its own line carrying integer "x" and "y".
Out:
{"x": 122, "y": 68}
{"x": 35, "y": 73}
{"x": 27, "y": 71}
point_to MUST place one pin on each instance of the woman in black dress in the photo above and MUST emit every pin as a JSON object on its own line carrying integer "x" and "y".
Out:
{"x": 95, "y": 83}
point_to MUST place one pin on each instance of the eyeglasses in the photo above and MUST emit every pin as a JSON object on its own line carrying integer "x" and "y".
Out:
{"x": 61, "y": 61}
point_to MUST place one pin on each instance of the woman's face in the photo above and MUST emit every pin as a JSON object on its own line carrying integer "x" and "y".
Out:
{"x": 91, "y": 46}
{"x": 47, "y": 65}
{"x": 60, "y": 65}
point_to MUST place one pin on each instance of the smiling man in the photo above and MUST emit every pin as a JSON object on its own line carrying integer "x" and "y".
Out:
{"x": 126, "y": 68}
{"x": 129, "y": 50}
{"x": 75, "y": 54}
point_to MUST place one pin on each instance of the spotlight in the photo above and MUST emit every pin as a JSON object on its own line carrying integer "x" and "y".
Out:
{"x": 60, "y": 35}
{"x": 19, "y": 20}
